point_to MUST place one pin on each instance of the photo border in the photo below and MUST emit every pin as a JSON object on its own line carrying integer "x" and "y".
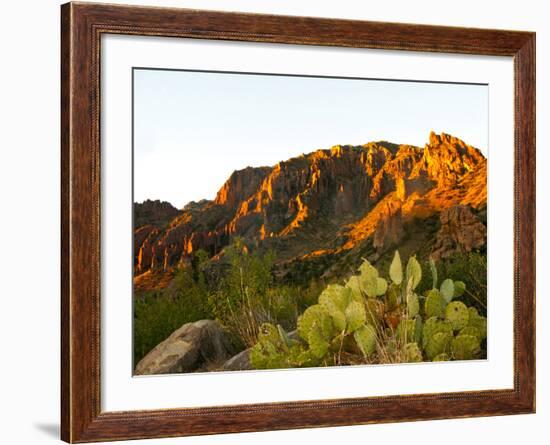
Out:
{"x": 243, "y": 73}
{"x": 81, "y": 28}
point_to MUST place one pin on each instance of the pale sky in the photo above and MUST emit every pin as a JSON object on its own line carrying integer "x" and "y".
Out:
{"x": 193, "y": 129}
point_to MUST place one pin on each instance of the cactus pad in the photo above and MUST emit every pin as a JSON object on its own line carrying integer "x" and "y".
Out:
{"x": 405, "y": 331}
{"x": 315, "y": 316}
{"x": 457, "y": 313}
{"x": 413, "y": 305}
{"x": 381, "y": 286}
{"x": 355, "y": 316}
{"x": 433, "y": 269}
{"x": 460, "y": 288}
{"x": 365, "y": 337}
{"x": 269, "y": 333}
{"x": 465, "y": 347}
{"x": 409, "y": 331}
{"x": 318, "y": 342}
{"x": 447, "y": 290}
{"x": 478, "y": 321}
{"x": 396, "y": 269}
{"x": 391, "y": 299}
{"x": 368, "y": 279}
{"x": 434, "y": 305}
{"x": 437, "y": 344}
{"x": 335, "y": 297}
{"x": 413, "y": 353}
{"x": 470, "y": 330}
{"x": 355, "y": 286}
{"x": 271, "y": 349}
{"x": 414, "y": 272}
{"x": 432, "y": 326}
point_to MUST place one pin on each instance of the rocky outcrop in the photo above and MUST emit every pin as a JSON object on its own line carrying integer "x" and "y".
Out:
{"x": 155, "y": 213}
{"x": 389, "y": 229}
{"x": 461, "y": 231}
{"x": 188, "y": 349}
{"x": 143, "y": 241}
{"x": 446, "y": 159}
{"x": 325, "y": 201}
{"x": 240, "y": 185}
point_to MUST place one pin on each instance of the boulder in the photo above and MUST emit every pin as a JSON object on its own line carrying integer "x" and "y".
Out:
{"x": 189, "y": 348}
{"x": 239, "y": 362}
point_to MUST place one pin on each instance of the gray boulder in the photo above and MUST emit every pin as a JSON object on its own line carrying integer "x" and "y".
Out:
{"x": 189, "y": 348}
{"x": 239, "y": 362}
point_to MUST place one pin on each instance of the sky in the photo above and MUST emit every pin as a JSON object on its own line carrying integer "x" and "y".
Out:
{"x": 193, "y": 129}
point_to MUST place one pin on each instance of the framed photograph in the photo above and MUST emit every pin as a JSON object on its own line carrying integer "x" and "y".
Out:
{"x": 274, "y": 222}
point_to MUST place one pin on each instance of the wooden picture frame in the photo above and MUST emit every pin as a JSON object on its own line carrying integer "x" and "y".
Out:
{"x": 82, "y": 25}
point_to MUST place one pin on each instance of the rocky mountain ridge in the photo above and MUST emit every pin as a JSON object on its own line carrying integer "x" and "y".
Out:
{"x": 339, "y": 204}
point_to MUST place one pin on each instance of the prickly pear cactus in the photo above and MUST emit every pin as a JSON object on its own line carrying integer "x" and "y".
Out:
{"x": 438, "y": 343}
{"x": 369, "y": 281}
{"x": 432, "y": 326}
{"x": 433, "y": 269}
{"x": 335, "y": 299}
{"x": 354, "y": 285}
{"x": 366, "y": 339}
{"x": 391, "y": 299}
{"x": 276, "y": 350}
{"x": 379, "y": 321}
{"x": 396, "y": 269}
{"x": 409, "y": 330}
{"x": 478, "y": 321}
{"x": 413, "y": 305}
{"x": 414, "y": 272}
{"x": 271, "y": 349}
{"x": 470, "y": 330}
{"x": 460, "y": 288}
{"x": 465, "y": 347}
{"x": 413, "y": 353}
{"x": 447, "y": 290}
{"x": 300, "y": 357}
{"x": 381, "y": 286}
{"x": 315, "y": 317}
{"x": 319, "y": 343}
{"x": 434, "y": 305}
{"x": 356, "y": 316}
{"x": 418, "y": 329}
{"x": 405, "y": 331}
{"x": 457, "y": 313}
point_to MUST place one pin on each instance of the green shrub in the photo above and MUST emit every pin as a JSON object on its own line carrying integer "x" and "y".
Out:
{"x": 158, "y": 314}
{"x": 246, "y": 298}
{"x": 239, "y": 293}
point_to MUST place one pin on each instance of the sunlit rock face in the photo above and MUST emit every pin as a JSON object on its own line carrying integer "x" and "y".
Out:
{"x": 332, "y": 201}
